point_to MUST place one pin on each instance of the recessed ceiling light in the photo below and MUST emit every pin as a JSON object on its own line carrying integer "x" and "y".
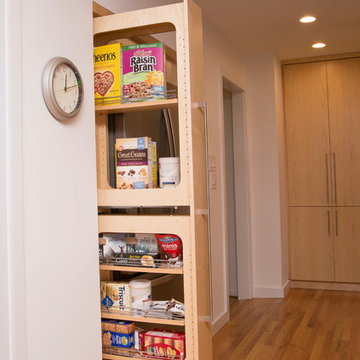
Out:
{"x": 307, "y": 19}
{"x": 318, "y": 45}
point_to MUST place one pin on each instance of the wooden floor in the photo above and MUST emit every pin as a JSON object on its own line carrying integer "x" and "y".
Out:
{"x": 307, "y": 324}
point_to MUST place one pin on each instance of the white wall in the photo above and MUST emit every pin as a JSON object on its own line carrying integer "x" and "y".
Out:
{"x": 262, "y": 120}
{"x": 52, "y": 219}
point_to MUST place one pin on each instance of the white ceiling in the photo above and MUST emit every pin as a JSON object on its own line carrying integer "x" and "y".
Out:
{"x": 272, "y": 25}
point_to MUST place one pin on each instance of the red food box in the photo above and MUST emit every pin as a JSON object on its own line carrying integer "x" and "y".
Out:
{"x": 159, "y": 344}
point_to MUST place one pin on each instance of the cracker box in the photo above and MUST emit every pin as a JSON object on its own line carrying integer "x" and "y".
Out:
{"x": 107, "y": 74}
{"x": 115, "y": 295}
{"x": 134, "y": 163}
{"x": 117, "y": 336}
{"x": 143, "y": 72}
{"x": 159, "y": 344}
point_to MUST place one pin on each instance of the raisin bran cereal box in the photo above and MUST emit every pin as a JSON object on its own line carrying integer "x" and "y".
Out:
{"x": 134, "y": 163}
{"x": 107, "y": 79}
{"x": 143, "y": 72}
{"x": 158, "y": 344}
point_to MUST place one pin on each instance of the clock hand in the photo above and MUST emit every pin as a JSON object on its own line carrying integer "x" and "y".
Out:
{"x": 71, "y": 87}
{"x": 65, "y": 88}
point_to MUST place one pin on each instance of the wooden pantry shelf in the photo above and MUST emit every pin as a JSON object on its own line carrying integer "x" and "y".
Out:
{"x": 118, "y": 316}
{"x": 138, "y": 106}
{"x": 120, "y": 357}
{"x": 161, "y": 270}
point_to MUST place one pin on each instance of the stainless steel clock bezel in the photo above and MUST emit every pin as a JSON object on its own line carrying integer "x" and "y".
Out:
{"x": 48, "y": 90}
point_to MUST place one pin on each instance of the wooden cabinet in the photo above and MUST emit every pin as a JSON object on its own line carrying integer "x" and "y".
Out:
{"x": 322, "y": 128}
{"x": 311, "y": 243}
{"x": 182, "y": 210}
{"x": 307, "y": 132}
{"x": 344, "y": 120}
{"x": 347, "y": 244}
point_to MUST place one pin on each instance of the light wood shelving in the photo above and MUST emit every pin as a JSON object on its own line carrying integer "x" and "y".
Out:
{"x": 138, "y": 106}
{"x": 161, "y": 270}
{"x": 158, "y": 321}
{"x": 182, "y": 66}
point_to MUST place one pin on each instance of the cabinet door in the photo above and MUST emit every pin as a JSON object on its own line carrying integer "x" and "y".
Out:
{"x": 311, "y": 243}
{"x": 307, "y": 134}
{"x": 344, "y": 115}
{"x": 347, "y": 244}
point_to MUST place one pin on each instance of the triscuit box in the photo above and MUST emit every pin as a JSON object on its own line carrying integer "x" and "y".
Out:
{"x": 143, "y": 72}
{"x": 107, "y": 74}
{"x": 133, "y": 163}
{"x": 115, "y": 295}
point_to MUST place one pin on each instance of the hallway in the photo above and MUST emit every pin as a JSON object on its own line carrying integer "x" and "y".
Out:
{"x": 307, "y": 324}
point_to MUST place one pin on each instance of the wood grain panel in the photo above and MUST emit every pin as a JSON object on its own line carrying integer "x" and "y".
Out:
{"x": 347, "y": 244}
{"x": 344, "y": 115}
{"x": 307, "y": 132}
{"x": 311, "y": 244}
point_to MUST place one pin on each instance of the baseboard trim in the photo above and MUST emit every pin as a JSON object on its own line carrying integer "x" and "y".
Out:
{"x": 286, "y": 287}
{"x": 268, "y": 292}
{"x": 219, "y": 323}
{"x": 319, "y": 285}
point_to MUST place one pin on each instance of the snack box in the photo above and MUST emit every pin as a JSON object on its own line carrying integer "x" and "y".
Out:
{"x": 128, "y": 248}
{"x": 123, "y": 327}
{"x": 134, "y": 163}
{"x": 118, "y": 336}
{"x": 107, "y": 74}
{"x": 159, "y": 344}
{"x": 115, "y": 295}
{"x": 143, "y": 72}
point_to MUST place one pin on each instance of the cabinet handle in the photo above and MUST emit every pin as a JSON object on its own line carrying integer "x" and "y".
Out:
{"x": 327, "y": 177}
{"x": 336, "y": 223}
{"x": 334, "y": 158}
{"x": 328, "y": 214}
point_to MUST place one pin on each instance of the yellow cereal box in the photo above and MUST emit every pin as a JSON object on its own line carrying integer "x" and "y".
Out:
{"x": 107, "y": 78}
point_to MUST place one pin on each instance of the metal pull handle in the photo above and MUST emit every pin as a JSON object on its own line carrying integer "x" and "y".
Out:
{"x": 336, "y": 223}
{"x": 328, "y": 215}
{"x": 327, "y": 178}
{"x": 335, "y": 186}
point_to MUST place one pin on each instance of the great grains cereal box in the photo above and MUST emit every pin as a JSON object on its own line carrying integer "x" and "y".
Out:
{"x": 107, "y": 74}
{"x": 134, "y": 163}
{"x": 143, "y": 72}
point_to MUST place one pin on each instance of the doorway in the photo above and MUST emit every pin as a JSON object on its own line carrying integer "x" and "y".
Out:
{"x": 236, "y": 182}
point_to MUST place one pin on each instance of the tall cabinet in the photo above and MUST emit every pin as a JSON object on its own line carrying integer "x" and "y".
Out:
{"x": 322, "y": 129}
{"x": 182, "y": 210}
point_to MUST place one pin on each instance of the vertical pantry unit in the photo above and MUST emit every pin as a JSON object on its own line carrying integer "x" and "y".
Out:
{"x": 182, "y": 210}
{"x": 322, "y": 127}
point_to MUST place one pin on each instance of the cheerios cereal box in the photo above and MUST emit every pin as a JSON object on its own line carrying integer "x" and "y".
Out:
{"x": 107, "y": 74}
{"x": 134, "y": 163}
{"x": 143, "y": 72}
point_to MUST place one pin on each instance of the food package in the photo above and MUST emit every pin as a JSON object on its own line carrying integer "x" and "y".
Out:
{"x": 135, "y": 163}
{"x": 107, "y": 74}
{"x": 115, "y": 295}
{"x": 123, "y": 327}
{"x": 118, "y": 336}
{"x": 167, "y": 309}
{"x": 171, "y": 247}
{"x": 159, "y": 344}
{"x": 128, "y": 248}
{"x": 143, "y": 72}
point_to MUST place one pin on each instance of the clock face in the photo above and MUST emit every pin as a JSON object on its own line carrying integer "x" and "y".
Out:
{"x": 66, "y": 83}
{"x": 62, "y": 88}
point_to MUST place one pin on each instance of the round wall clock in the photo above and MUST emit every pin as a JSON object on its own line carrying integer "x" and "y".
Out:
{"x": 62, "y": 88}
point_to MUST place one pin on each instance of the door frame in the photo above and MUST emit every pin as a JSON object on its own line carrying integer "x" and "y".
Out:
{"x": 242, "y": 207}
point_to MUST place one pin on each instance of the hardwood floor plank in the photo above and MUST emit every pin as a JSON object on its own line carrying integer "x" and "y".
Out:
{"x": 306, "y": 325}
